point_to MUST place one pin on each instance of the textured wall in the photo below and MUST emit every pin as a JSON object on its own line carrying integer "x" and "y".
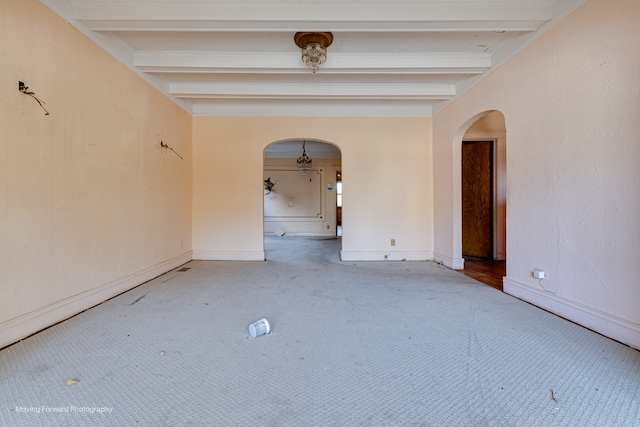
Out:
{"x": 87, "y": 196}
{"x": 570, "y": 101}
{"x": 386, "y": 171}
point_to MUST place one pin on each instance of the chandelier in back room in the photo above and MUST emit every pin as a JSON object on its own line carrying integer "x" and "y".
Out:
{"x": 303, "y": 162}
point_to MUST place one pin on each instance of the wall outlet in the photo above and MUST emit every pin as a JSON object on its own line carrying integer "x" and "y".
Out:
{"x": 393, "y": 242}
{"x": 538, "y": 273}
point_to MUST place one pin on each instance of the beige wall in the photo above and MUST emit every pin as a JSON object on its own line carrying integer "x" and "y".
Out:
{"x": 386, "y": 171}
{"x": 571, "y": 107}
{"x": 90, "y": 203}
{"x": 492, "y": 122}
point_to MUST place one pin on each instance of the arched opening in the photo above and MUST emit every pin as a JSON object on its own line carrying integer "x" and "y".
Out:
{"x": 301, "y": 203}
{"x": 483, "y": 198}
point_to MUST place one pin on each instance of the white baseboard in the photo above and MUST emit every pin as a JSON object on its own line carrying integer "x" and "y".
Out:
{"x": 606, "y": 324}
{"x": 390, "y": 256}
{"x": 453, "y": 263}
{"x": 207, "y": 255}
{"x": 20, "y": 327}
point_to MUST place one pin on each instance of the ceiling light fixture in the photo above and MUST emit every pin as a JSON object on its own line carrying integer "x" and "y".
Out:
{"x": 303, "y": 162}
{"x": 314, "y": 48}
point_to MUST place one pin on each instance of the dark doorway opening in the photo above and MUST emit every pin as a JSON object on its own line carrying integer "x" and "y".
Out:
{"x": 477, "y": 199}
{"x": 477, "y": 214}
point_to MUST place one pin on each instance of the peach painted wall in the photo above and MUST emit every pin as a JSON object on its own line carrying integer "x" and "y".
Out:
{"x": 571, "y": 102}
{"x": 386, "y": 172}
{"x": 90, "y": 203}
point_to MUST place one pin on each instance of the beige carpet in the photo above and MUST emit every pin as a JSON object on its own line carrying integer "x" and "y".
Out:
{"x": 353, "y": 344}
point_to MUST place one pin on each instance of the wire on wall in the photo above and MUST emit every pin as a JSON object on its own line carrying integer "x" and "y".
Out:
{"x": 163, "y": 145}
{"x": 25, "y": 89}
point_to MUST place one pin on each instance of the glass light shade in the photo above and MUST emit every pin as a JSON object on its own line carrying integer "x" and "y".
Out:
{"x": 313, "y": 55}
{"x": 304, "y": 164}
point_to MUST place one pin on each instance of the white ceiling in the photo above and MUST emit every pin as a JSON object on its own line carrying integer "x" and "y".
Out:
{"x": 388, "y": 57}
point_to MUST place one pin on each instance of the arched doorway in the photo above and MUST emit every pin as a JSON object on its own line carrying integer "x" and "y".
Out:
{"x": 483, "y": 194}
{"x": 297, "y": 204}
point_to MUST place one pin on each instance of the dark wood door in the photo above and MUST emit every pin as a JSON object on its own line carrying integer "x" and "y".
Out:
{"x": 477, "y": 199}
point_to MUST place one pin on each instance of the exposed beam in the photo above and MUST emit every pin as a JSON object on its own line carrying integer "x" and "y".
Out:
{"x": 313, "y": 109}
{"x": 311, "y": 91}
{"x": 333, "y": 26}
{"x": 337, "y": 63}
{"x": 344, "y": 16}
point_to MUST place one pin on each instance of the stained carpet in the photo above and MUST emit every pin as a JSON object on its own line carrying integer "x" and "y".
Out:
{"x": 352, "y": 344}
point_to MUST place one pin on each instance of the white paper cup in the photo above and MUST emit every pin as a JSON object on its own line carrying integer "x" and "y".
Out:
{"x": 259, "y": 328}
